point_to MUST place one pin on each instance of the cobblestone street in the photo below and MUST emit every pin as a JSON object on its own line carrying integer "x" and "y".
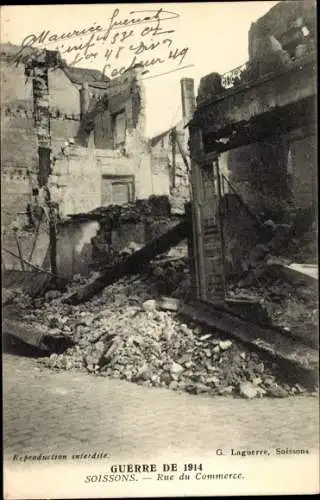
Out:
{"x": 46, "y": 411}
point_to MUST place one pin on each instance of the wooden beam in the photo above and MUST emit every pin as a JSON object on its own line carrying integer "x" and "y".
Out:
{"x": 35, "y": 335}
{"x": 33, "y": 266}
{"x": 132, "y": 264}
{"x": 271, "y": 124}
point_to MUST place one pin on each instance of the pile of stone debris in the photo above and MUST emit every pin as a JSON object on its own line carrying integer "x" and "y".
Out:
{"x": 280, "y": 305}
{"x": 153, "y": 207}
{"x": 127, "y": 332}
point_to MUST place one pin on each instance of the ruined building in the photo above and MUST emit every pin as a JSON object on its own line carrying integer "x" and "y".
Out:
{"x": 256, "y": 125}
{"x": 97, "y": 138}
{"x": 276, "y": 84}
{"x": 79, "y": 136}
{"x": 100, "y": 153}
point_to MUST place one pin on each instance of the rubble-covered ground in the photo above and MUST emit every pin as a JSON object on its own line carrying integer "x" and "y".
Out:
{"x": 124, "y": 333}
{"x": 292, "y": 309}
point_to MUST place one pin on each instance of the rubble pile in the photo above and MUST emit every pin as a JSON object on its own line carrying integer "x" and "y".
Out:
{"x": 126, "y": 333}
{"x": 297, "y": 240}
{"x": 304, "y": 249}
{"x": 124, "y": 229}
{"x": 154, "y": 206}
{"x": 172, "y": 277}
{"x": 291, "y": 308}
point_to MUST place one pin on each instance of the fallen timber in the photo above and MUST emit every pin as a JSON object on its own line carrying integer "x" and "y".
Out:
{"x": 294, "y": 352}
{"x": 290, "y": 350}
{"x": 133, "y": 263}
{"x": 34, "y": 336}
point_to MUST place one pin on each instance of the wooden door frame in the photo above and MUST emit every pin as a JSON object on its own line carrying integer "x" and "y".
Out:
{"x": 211, "y": 159}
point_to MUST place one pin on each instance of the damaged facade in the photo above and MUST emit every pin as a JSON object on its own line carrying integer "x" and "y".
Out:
{"x": 97, "y": 136}
{"x": 253, "y": 145}
{"x": 81, "y": 136}
{"x": 100, "y": 152}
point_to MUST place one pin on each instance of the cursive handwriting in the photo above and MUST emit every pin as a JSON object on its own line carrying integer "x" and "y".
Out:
{"x": 122, "y": 42}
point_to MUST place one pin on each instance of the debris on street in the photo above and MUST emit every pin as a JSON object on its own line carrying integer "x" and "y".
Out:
{"x": 132, "y": 332}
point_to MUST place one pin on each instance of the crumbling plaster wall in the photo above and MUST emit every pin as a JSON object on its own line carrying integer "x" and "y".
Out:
{"x": 19, "y": 156}
{"x": 125, "y": 93}
{"x": 273, "y": 176}
{"x": 75, "y": 182}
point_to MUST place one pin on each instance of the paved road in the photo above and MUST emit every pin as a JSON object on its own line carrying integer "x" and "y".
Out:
{"x": 63, "y": 412}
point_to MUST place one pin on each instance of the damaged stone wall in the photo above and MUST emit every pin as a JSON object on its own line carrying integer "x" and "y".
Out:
{"x": 124, "y": 230}
{"x": 259, "y": 173}
{"x": 77, "y": 175}
{"x": 17, "y": 113}
{"x": 286, "y": 31}
{"x": 103, "y": 236}
{"x": 275, "y": 176}
{"x": 124, "y": 94}
{"x": 18, "y": 140}
{"x": 263, "y": 171}
{"x": 19, "y": 155}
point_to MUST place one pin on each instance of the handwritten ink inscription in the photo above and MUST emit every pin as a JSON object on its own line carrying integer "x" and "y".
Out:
{"x": 142, "y": 38}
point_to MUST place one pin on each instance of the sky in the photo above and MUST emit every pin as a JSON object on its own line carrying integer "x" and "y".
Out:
{"x": 182, "y": 40}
